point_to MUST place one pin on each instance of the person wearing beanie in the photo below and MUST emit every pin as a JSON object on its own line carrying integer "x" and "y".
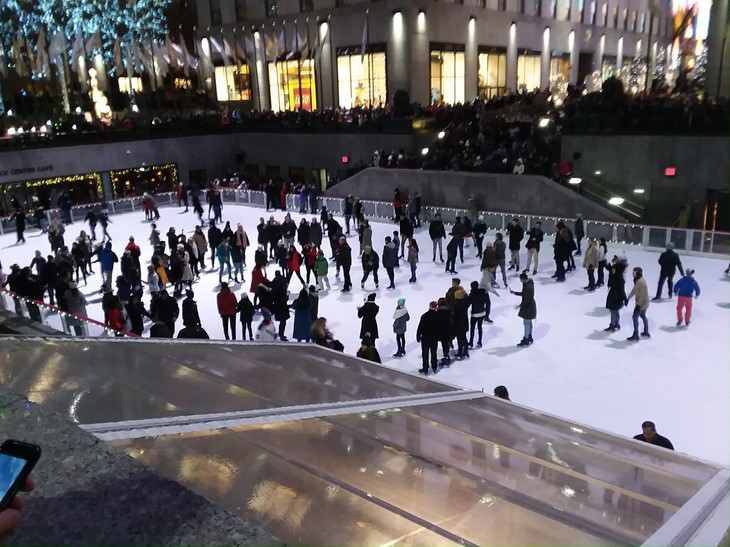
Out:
{"x": 107, "y": 259}
{"x": 400, "y": 323}
{"x": 451, "y": 293}
{"x": 528, "y": 308}
{"x": 266, "y": 331}
{"x": 669, "y": 263}
{"x": 246, "y": 312}
{"x": 686, "y": 288}
{"x": 370, "y": 264}
{"x": 461, "y": 323}
{"x": 428, "y": 335}
{"x": 640, "y": 292}
{"x": 437, "y": 233}
{"x": 368, "y": 312}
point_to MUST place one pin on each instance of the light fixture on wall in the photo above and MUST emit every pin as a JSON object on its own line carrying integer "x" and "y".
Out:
{"x": 421, "y": 20}
{"x": 638, "y": 190}
{"x": 424, "y": 151}
{"x": 575, "y": 180}
{"x": 615, "y": 201}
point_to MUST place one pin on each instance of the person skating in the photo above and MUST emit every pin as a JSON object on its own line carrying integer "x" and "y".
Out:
{"x": 266, "y": 331}
{"x": 479, "y": 230}
{"x": 515, "y": 232}
{"x": 19, "y": 217}
{"x": 280, "y": 303}
{"x": 246, "y": 311}
{"x": 165, "y": 310}
{"x": 92, "y": 217}
{"x": 461, "y": 323}
{"x": 686, "y": 288}
{"x": 562, "y": 247}
{"x": 200, "y": 244}
{"x": 458, "y": 233}
{"x": 396, "y": 241}
{"x": 477, "y": 301}
{"x": 302, "y": 316}
{"x": 223, "y": 251}
{"x": 579, "y": 232}
{"x": 500, "y": 252}
{"x": 428, "y": 335}
{"x": 437, "y": 233}
{"x": 602, "y": 260}
{"x": 368, "y": 312}
{"x": 349, "y": 203}
{"x": 227, "y": 304}
{"x": 406, "y": 232}
{"x": 273, "y": 235}
{"x": 215, "y": 237}
{"x": 107, "y": 259}
{"x": 190, "y": 315}
{"x": 451, "y": 251}
{"x": 446, "y": 330}
{"x": 288, "y": 231}
{"x": 370, "y": 264}
{"x": 669, "y": 262}
{"x": 616, "y": 297}
{"x": 528, "y": 307}
{"x": 293, "y": 265}
{"x": 640, "y": 293}
{"x": 197, "y": 207}
{"x": 310, "y": 254}
{"x": 534, "y": 238}
{"x": 590, "y": 263}
{"x": 400, "y": 325}
{"x": 412, "y": 258}
{"x": 368, "y": 351}
{"x": 390, "y": 258}
{"x": 344, "y": 259}
{"x": 365, "y": 232}
{"x": 321, "y": 268}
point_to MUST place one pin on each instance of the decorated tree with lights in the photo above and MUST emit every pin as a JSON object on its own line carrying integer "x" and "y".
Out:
{"x": 700, "y": 69}
{"x": 634, "y": 76}
{"x": 140, "y": 21}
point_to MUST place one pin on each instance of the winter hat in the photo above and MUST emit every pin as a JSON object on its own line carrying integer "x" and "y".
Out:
{"x": 224, "y": 286}
{"x": 371, "y": 297}
{"x": 131, "y": 238}
{"x": 265, "y": 313}
{"x": 189, "y": 293}
{"x": 312, "y": 289}
{"x": 342, "y": 239}
{"x": 433, "y": 305}
{"x": 524, "y": 275}
{"x": 320, "y": 253}
{"x": 244, "y": 296}
{"x": 670, "y": 246}
{"x": 401, "y": 302}
{"x": 579, "y": 215}
{"x": 481, "y": 217}
{"x": 689, "y": 271}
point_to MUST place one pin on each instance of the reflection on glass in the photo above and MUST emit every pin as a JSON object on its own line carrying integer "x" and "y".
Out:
{"x": 528, "y": 72}
{"x": 492, "y": 75}
{"x": 361, "y": 80}
{"x": 233, "y": 83}
{"x": 447, "y": 77}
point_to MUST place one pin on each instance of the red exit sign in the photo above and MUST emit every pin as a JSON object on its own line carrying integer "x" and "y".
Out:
{"x": 345, "y": 159}
{"x": 670, "y": 171}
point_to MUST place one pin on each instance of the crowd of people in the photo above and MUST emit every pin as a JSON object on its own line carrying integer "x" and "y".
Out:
{"x": 286, "y": 252}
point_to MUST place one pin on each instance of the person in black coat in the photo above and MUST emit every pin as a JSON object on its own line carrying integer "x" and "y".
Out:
{"x": 428, "y": 334}
{"x": 516, "y": 233}
{"x": 136, "y": 313}
{"x": 616, "y": 297}
{"x": 669, "y": 262}
{"x": 406, "y": 232}
{"x": 458, "y": 232}
{"x": 370, "y": 264}
{"x": 165, "y": 310}
{"x": 479, "y": 230}
{"x": 344, "y": 260}
{"x": 19, "y": 217}
{"x": 534, "y": 238}
{"x": 349, "y": 209}
{"x": 437, "y": 233}
{"x": 528, "y": 307}
{"x": 390, "y": 259}
{"x": 215, "y": 237}
{"x": 368, "y": 312}
{"x": 477, "y": 301}
{"x": 451, "y": 250}
{"x": 649, "y": 435}
{"x": 579, "y": 232}
{"x": 246, "y": 312}
{"x": 461, "y": 323}
{"x": 280, "y": 303}
{"x": 195, "y": 332}
{"x": 445, "y": 330}
{"x": 273, "y": 235}
{"x": 334, "y": 231}
{"x": 49, "y": 277}
{"x": 190, "y": 315}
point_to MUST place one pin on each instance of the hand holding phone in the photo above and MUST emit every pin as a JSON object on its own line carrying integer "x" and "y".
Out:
{"x": 17, "y": 460}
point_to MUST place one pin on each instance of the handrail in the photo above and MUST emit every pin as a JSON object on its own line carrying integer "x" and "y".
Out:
{"x": 64, "y": 314}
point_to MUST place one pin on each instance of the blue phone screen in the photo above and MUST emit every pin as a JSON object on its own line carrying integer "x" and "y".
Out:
{"x": 10, "y": 468}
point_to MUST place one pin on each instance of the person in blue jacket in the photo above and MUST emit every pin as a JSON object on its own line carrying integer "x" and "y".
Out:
{"x": 686, "y": 288}
{"x": 107, "y": 258}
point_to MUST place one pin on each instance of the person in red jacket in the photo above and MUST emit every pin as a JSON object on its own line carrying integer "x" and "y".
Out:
{"x": 293, "y": 263}
{"x": 227, "y": 304}
{"x": 257, "y": 277}
{"x": 310, "y": 257}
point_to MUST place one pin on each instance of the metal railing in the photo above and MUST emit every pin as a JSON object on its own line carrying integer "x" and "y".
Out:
{"x": 52, "y": 316}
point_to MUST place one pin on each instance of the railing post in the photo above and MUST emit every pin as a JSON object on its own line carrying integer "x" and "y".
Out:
{"x": 614, "y": 232}
{"x": 645, "y": 237}
{"x": 689, "y": 240}
{"x": 712, "y": 241}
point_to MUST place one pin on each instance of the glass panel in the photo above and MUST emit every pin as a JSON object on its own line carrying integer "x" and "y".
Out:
{"x": 679, "y": 238}
{"x": 528, "y": 72}
{"x": 721, "y": 243}
{"x": 630, "y": 233}
{"x": 233, "y": 83}
{"x": 361, "y": 80}
{"x": 447, "y": 77}
{"x": 657, "y": 237}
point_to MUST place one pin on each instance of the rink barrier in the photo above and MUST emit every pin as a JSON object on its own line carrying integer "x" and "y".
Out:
{"x": 54, "y": 317}
{"x": 645, "y": 237}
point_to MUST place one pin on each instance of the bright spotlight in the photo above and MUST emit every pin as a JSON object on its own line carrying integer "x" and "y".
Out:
{"x": 615, "y": 201}
{"x": 543, "y": 123}
{"x": 575, "y": 180}
{"x": 424, "y": 151}
{"x": 441, "y": 134}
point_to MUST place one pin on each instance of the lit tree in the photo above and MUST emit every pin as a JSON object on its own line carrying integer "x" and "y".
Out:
{"x": 142, "y": 20}
{"x": 700, "y": 69}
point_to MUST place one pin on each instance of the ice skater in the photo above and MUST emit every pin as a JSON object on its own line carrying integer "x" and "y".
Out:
{"x": 400, "y": 325}
{"x": 527, "y": 309}
{"x": 686, "y": 288}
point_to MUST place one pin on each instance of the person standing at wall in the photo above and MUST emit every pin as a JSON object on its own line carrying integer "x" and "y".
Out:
{"x": 516, "y": 233}
{"x": 669, "y": 262}
{"x": 640, "y": 293}
{"x": 686, "y": 288}
{"x": 528, "y": 308}
{"x": 534, "y": 238}
{"x": 437, "y": 233}
{"x": 649, "y": 435}
{"x": 579, "y": 232}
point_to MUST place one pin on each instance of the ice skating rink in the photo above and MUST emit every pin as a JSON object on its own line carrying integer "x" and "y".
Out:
{"x": 680, "y": 378}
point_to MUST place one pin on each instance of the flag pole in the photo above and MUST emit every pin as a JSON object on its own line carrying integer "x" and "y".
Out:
{"x": 237, "y": 76}
{"x": 332, "y": 60}
{"x": 369, "y": 58}
{"x": 225, "y": 66}
{"x": 248, "y": 64}
{"x": 255, "y": 67}
{"x": 299, "y": 64}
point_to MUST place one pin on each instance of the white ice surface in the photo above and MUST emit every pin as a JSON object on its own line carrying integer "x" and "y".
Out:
{"x": 680, "y": 378}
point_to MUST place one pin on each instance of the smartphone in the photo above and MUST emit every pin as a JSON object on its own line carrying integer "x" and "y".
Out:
{"x": 17, "y": 460}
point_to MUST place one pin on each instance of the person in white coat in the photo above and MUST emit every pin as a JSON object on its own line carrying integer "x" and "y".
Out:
{"x": 266, "y": 331}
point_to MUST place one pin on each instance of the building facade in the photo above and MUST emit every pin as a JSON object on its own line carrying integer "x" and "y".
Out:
{"x": 290, "y": 54}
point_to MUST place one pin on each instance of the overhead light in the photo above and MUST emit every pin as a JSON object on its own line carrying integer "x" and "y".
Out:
{"x": 20, "y": 131}
{"x": 638, "y": 190}
{"x": 49, "y": 122}
{"x": 10, "y": 112}
{"x": 11, "y": 131}
{"x": 441, "y": 134}
{"x": 598, "y": 173}
{"x": 575, "y": 180}
{"x": 424, "y": 151}
{"x": 44, "y": 129}
{"x": 544, "y": 122}
{"x": 33, "y": 129}
{"x": 78, "y": 110}
{"x": 615, "y": 201}
{"x": 74, "y": 127}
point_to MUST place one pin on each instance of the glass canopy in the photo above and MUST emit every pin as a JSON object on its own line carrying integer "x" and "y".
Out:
{"x": 409, "y": 462}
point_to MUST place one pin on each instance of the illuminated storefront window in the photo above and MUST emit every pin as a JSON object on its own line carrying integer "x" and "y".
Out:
{"x": 292, "y": 85}
{"x": 361, "y": 80}
{"x": 447, "y": 77}
{"x": 528, "y": 71}
{"x": 136, "y": 181}
{"x": 82, "y": 189}
{"x": 233, "y": 83}
{"x": 492, "y": 74}
{"x": 126, "y": 85}
{"x": 608, "y": 67}
{"x": 560, "y": 64}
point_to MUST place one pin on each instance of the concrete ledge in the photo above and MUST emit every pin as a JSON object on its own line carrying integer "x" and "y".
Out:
{"x": 89, "y": 493}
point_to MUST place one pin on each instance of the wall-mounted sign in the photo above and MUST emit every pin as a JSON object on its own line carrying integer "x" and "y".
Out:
{"x": 26, "y": 170}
